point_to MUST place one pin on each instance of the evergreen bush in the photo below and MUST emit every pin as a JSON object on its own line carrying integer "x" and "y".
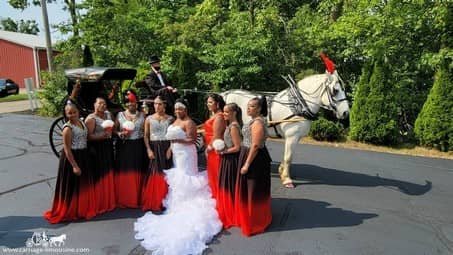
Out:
{"x": 434, "y": 124}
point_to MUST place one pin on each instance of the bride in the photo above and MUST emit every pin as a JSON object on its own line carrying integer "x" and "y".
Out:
{"x": 190, "y": 219}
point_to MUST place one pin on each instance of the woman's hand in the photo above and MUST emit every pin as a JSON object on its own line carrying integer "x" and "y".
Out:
{"x": 168, "y": 153}
{"x": 77, "y": 171}
{"x": 208, "y": 149}
{"x": 106, "y": 135}
{"x": 244, "y": 169}
{"x": 151, "y": 154}
{"x": 123, "y": 134}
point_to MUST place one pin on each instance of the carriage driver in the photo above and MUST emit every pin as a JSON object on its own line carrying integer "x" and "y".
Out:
{"x": 156, "y": 79}
{"x": 157, "y": 84}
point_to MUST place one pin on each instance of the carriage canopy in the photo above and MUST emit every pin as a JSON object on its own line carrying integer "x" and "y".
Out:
{"x": 96, "y": 74}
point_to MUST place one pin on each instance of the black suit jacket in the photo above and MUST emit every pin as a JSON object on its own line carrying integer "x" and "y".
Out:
{"x": 153, "y": 82}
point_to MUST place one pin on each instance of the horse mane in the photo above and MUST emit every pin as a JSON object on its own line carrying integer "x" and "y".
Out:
{"x": 306, "y": 84}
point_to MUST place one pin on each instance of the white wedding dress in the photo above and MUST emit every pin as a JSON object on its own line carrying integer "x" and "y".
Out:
{"x": 190, "y": 219}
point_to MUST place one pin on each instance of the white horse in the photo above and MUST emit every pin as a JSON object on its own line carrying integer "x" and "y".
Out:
{"x": 322, "y": 90}
{"x": 57, "y": 241}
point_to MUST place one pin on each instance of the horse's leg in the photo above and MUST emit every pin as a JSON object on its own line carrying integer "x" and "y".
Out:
{"x": 293, "y": 133}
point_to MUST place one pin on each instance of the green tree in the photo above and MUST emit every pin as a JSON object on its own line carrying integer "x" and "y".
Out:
{"x": 434, "y": 125}
{"x": 69, "y": 5}
{"x": 87, "y": 56}
{"x": 374, "y": 116}
{"x": 21, "y": 26}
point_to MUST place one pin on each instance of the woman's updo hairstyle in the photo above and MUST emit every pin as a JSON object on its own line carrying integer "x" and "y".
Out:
{"x": 182, "y": 101}
{"x": 262, "y": 102}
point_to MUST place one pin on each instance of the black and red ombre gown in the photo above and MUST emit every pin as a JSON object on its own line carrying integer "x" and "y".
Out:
{"x": 253, "y": 189}
{"x": 155, "y": 186}
{"x": 74, "y": 195}
{"x": 227, "y": 181}
{"x": 101, "y": 153}
{"x": 130, "y": 164}
{"x": 213, "y": 158}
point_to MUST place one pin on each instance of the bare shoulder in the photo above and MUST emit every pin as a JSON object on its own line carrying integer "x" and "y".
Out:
{"x": 90, "y": 117}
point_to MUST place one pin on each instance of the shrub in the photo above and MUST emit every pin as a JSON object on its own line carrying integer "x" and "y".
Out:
{"x": 434, "y": 124}
{"x": 53, "y": 93}
{"x": 374, "y": 116}
{"x": 325, "y": 130}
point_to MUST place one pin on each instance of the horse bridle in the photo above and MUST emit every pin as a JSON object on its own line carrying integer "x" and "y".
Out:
{"x": 332, "y": 101}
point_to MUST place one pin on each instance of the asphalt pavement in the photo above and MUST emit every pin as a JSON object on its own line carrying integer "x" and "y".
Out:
{"x": 346, "y": 202}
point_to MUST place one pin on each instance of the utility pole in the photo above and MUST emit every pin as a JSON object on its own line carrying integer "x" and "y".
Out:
{"x": 45, "y": 19}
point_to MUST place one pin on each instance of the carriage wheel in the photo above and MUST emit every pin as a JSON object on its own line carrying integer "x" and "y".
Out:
{"x": 56, "y": 136}
{"x": 199, "y": 143}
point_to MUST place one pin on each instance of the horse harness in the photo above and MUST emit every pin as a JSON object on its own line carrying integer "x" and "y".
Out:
{"x": 297, "y": 104}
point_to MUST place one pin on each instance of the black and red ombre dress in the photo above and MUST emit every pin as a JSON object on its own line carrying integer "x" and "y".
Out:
{"x": 130, "y": 164}
{"x": 213, "y": 158}
{"x": 253, "y": 189}
{"x": 101, "y": 152}
{"x": 155, "y": 186}
{"x": 74, "y": 195}
{"x": 227, "y": 181}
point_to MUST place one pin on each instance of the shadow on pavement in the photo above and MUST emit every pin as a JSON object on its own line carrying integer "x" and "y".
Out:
{"x": 120, "y": 213}
{"x": 291, "y": 214}
{"x": 312, "y": 175}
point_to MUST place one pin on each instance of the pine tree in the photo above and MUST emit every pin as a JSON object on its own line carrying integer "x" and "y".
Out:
{"x": 434, "y": 124}
{"x": 87, "y": 57}
{"x": 374, "y": 111}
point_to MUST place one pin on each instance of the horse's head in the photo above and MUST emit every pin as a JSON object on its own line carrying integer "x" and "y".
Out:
{"x": 334, "y": 97}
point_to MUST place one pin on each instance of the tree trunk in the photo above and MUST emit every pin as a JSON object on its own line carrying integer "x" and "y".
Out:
{"x": 73, "y": 12}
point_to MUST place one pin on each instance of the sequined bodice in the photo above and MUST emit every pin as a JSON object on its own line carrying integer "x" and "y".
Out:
{"x": 158, "y": 128}
{"x": 98, "y": 129}
{"x": 227, "y": 135}
{"x": 247, "y": 133}
{"x": 79, "y": 135}
{"x": 137, "y": 133}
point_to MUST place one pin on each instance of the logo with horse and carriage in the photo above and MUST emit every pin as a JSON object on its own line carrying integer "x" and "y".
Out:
{"x": 41, "y": 239}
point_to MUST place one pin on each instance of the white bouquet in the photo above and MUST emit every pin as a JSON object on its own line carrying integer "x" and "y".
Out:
{"x": 218, "y": 145}
{"x": 107, "y": 125}
{"x": 128, "y": 126}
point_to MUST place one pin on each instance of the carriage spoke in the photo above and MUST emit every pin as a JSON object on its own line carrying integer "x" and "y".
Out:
{"x": 59, "y": 127}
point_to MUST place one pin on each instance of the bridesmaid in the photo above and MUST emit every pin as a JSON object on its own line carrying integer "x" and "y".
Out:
{"x": 229, "y": 165}
{"x": 101, "y": 148}
{"x": 214, "y": 128}
{"x": 74, "y": 196}
{"x": 158, "y": 149}
{"x": 253, "y": 190}
{"x": 131, "y": 159}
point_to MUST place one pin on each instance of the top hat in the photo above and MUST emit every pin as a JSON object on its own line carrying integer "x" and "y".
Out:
{"x": 154, "y": 59}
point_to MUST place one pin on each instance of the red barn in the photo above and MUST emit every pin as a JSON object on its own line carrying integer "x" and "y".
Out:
{"x": 22, "y": 56}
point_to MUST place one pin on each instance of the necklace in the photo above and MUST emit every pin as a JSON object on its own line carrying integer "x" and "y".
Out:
{"x": 131, "y": 117}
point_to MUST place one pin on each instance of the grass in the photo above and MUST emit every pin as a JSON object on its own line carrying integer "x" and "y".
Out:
{"x": 12, "y": 98}
{"x": 410, "y": 150}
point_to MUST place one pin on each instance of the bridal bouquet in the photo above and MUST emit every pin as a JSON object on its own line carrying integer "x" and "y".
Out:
{"x": 128, "y": 126}
{"x": 107, "y": 125}
{"x": 218, "y": 145}
{"x": 175, "y": 134}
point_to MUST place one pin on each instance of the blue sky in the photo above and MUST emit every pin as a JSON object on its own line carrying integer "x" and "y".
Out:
{"x": 54, "y": 10}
